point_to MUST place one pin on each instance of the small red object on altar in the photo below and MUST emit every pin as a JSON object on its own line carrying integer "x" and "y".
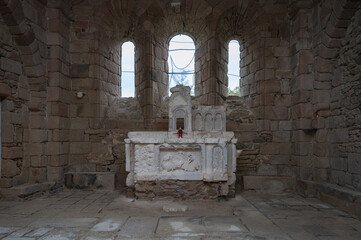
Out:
{"x": 180, "y": 133}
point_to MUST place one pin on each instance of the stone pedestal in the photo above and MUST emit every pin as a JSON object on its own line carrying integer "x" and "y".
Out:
{"x": 153, "y": 159}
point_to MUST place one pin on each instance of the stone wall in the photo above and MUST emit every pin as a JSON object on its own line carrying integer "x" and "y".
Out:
{"x": 15, "y": 113}
{"x": 326, "y": 75}
{"x": 350, "y": 62}
{"x": 34, "y": 64}
{"x": 58, "y": 92}
{"x": 343, "y": 124}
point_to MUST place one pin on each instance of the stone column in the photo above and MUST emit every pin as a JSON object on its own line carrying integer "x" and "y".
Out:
{"x": 5, "y": 91}
{"x": 146, "y": 89}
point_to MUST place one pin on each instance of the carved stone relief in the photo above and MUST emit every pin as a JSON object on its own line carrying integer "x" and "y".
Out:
{"x": 217, "y": 159}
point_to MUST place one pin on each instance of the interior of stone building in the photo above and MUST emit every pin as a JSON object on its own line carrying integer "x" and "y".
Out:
{"x": 296, "y": 119}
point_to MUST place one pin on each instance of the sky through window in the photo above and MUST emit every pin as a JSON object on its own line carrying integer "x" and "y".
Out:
{"x": 181, "y": 61}
{"x": 127, "y": 74}
{"x": 233, "y": 67}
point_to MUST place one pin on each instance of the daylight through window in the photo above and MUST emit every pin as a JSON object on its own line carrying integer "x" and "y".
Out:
{"x": 233, "y": 74}
{"x": 181, "y": 62}
{"x": 127, "y": 83}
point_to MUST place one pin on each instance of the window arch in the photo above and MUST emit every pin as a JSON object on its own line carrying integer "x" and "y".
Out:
{"x": 234, "y": 58}
{"x": 181, "y": 54}
{"x": 127, "y": 77}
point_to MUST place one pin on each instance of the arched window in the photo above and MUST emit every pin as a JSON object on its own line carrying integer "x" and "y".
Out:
{"x": 181, "y": 62}
{"x": 127, "y": 82}
{"x": 234, "y": 57}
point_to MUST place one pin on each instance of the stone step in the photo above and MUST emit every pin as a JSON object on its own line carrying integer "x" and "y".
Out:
{"x": 269, "y": 183}
{"x": 22, "y": 191}
{"x": 341, "y": 197}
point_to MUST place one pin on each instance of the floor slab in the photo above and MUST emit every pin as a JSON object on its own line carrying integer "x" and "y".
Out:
{"x": 93, "y": 215}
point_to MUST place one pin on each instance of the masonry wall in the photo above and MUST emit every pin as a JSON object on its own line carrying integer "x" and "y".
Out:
{"x": 324, "y": 91}
{"x": 337, "y": 100}
{"x": 34, "y": 65}
{"x": 15, "y": 113}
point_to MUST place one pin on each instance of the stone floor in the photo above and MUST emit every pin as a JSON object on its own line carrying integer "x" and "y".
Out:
{"x": 109, "y": 215}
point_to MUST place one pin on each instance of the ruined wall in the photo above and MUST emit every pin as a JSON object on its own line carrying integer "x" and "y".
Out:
{"x": 14, "y": 111}
{"x": 58, "y": 92}
{"x": 325, "y": 87}
{"x": 301, "y": 84}
{"x": 94, "y": 76}
{"x": 265, "y": 90}
{"x": 35, "y": 66}
{"x": 343, "y": 125}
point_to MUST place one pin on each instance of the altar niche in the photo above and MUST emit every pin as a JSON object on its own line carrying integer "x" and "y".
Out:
{"x": 201, "y": 164}
{"x": 180, "y": 108}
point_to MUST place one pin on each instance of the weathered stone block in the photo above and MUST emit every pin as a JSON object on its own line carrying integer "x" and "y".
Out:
{"x": 5, "y": 90}
{"x": 281, "y": 136}
{"x": 269, "y": 148}
{"x": 302, "y": 123}
{"x": 321, "y": 149}
{"x": 339, "y": 136}
{"x": 354, "y": 163}
{"x": 33, "y": 149}
{"x": 269, "y": 184}
{"x": 86, "y": 110}
{"x": 276, "y": 113}
{"x": 36, "y": 135}
{"x": 59, "y": 135}
{"x": 12, "y": 152}
{"x": 267, "y": 170}
{"x": 55, "y": 174}
{"x": 8, "y": 168}
{"x": 302, "y": 82}
{"x": 303, "y": 148}
{"x": 79, "y": 71}
{"x": 55, "y": 148}
{"x": 323, "y": 162}
{"x": 281, "y": 51}
{"x": 79, "y": 123}
{"x": 37, "y": 121}
{"x": 10, "y": 65}
{"x": 285, "y": 125}
{"x": 38, "y": 161}
{"x": 339, "y": 164}
{"x": 80, "y": 148}
{"x": 37, "y": 175}
{"x": 7, "y": 133}
{"x": 286, "y": 148}
{"x": 57, "y": 160}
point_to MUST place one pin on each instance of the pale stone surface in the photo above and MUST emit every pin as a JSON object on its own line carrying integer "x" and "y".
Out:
{"x": 174, "y": 207}
{"x": 250, "y": 215}
{"x": 109, "y": 224}
{"x": 132, "y": 228}
{"x": 180, "y": 108}
{"x": 174, "y": 158}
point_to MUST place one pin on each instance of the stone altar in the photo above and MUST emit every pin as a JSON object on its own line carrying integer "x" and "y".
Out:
{"x": 199, "y": 165}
